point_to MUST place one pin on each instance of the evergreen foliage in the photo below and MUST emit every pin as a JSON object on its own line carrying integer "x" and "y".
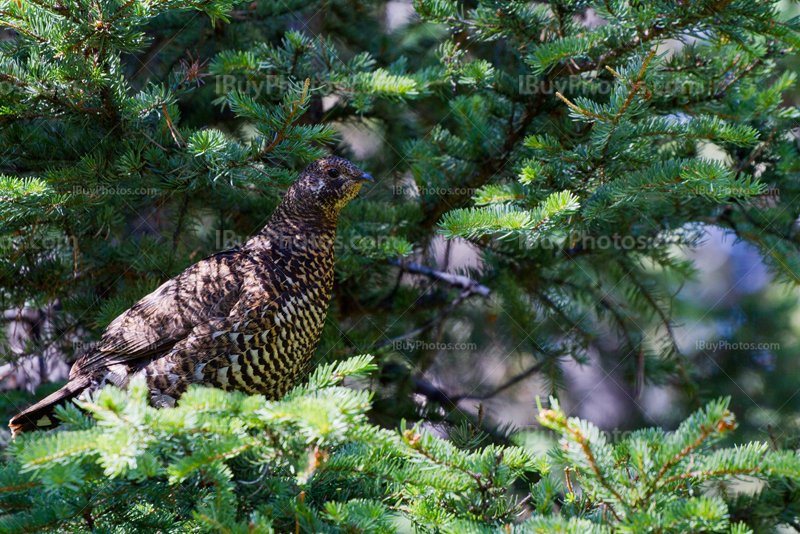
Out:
{"x": 225, "y": 462}
{"x": 573, "y": 146}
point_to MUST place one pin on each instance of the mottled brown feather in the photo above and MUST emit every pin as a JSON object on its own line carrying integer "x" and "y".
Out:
{"x": 205, "y": 290}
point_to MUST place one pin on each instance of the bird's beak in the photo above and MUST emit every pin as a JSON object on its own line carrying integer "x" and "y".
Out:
{"x": 365, "y": 178}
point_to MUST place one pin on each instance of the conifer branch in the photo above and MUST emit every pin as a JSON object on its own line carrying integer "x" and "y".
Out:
{"x": 456, "y": 280}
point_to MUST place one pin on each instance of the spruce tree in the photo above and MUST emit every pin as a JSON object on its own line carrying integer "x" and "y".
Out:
{"x": 567, "y": 143}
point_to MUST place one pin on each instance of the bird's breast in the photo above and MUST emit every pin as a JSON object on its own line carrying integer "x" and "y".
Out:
{"x": 272, "y": 348}
{"x": 302, "y": 305}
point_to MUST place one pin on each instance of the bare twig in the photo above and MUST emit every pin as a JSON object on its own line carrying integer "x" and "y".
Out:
{"x": 176, "y": 135}
{"x": 458, "y": 280}
{"x": 31, "y": 316}
{"x": 428, "y": 390}
{"x": 755, "y": 152}
{"x": 154, "y": 142}
{"x": 499, "y": 389}
{"x": 178, "y": 227}
{"x": 417, "y": 331}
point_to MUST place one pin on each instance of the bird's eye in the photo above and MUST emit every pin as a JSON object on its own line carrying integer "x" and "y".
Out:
{"x": 333, "y": 173}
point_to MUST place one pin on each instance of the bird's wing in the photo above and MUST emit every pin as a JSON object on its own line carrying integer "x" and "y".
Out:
{"x": 243, "y": 350}
{"x": 207, "y": 289}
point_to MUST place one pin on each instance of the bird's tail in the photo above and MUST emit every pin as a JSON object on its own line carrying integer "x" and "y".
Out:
{"x": 40, "y": 415}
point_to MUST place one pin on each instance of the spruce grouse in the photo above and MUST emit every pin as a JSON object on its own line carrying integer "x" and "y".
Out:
{"x": 248, "y": 318}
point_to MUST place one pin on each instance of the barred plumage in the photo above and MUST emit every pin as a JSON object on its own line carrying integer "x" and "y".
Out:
{"x": 248, "y": 318}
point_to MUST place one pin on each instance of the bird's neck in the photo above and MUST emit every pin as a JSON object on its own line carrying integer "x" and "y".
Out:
{"x": 298, "y": 230}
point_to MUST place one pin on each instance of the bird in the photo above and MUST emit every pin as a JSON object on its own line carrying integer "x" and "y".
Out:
{"x": 248, "y": 318}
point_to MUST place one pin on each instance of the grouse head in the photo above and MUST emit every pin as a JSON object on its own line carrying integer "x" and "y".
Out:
{"x": 327, "y": 184}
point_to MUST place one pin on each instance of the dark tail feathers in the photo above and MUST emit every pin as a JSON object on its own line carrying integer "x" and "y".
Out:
{"x": 40, "y": 415}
